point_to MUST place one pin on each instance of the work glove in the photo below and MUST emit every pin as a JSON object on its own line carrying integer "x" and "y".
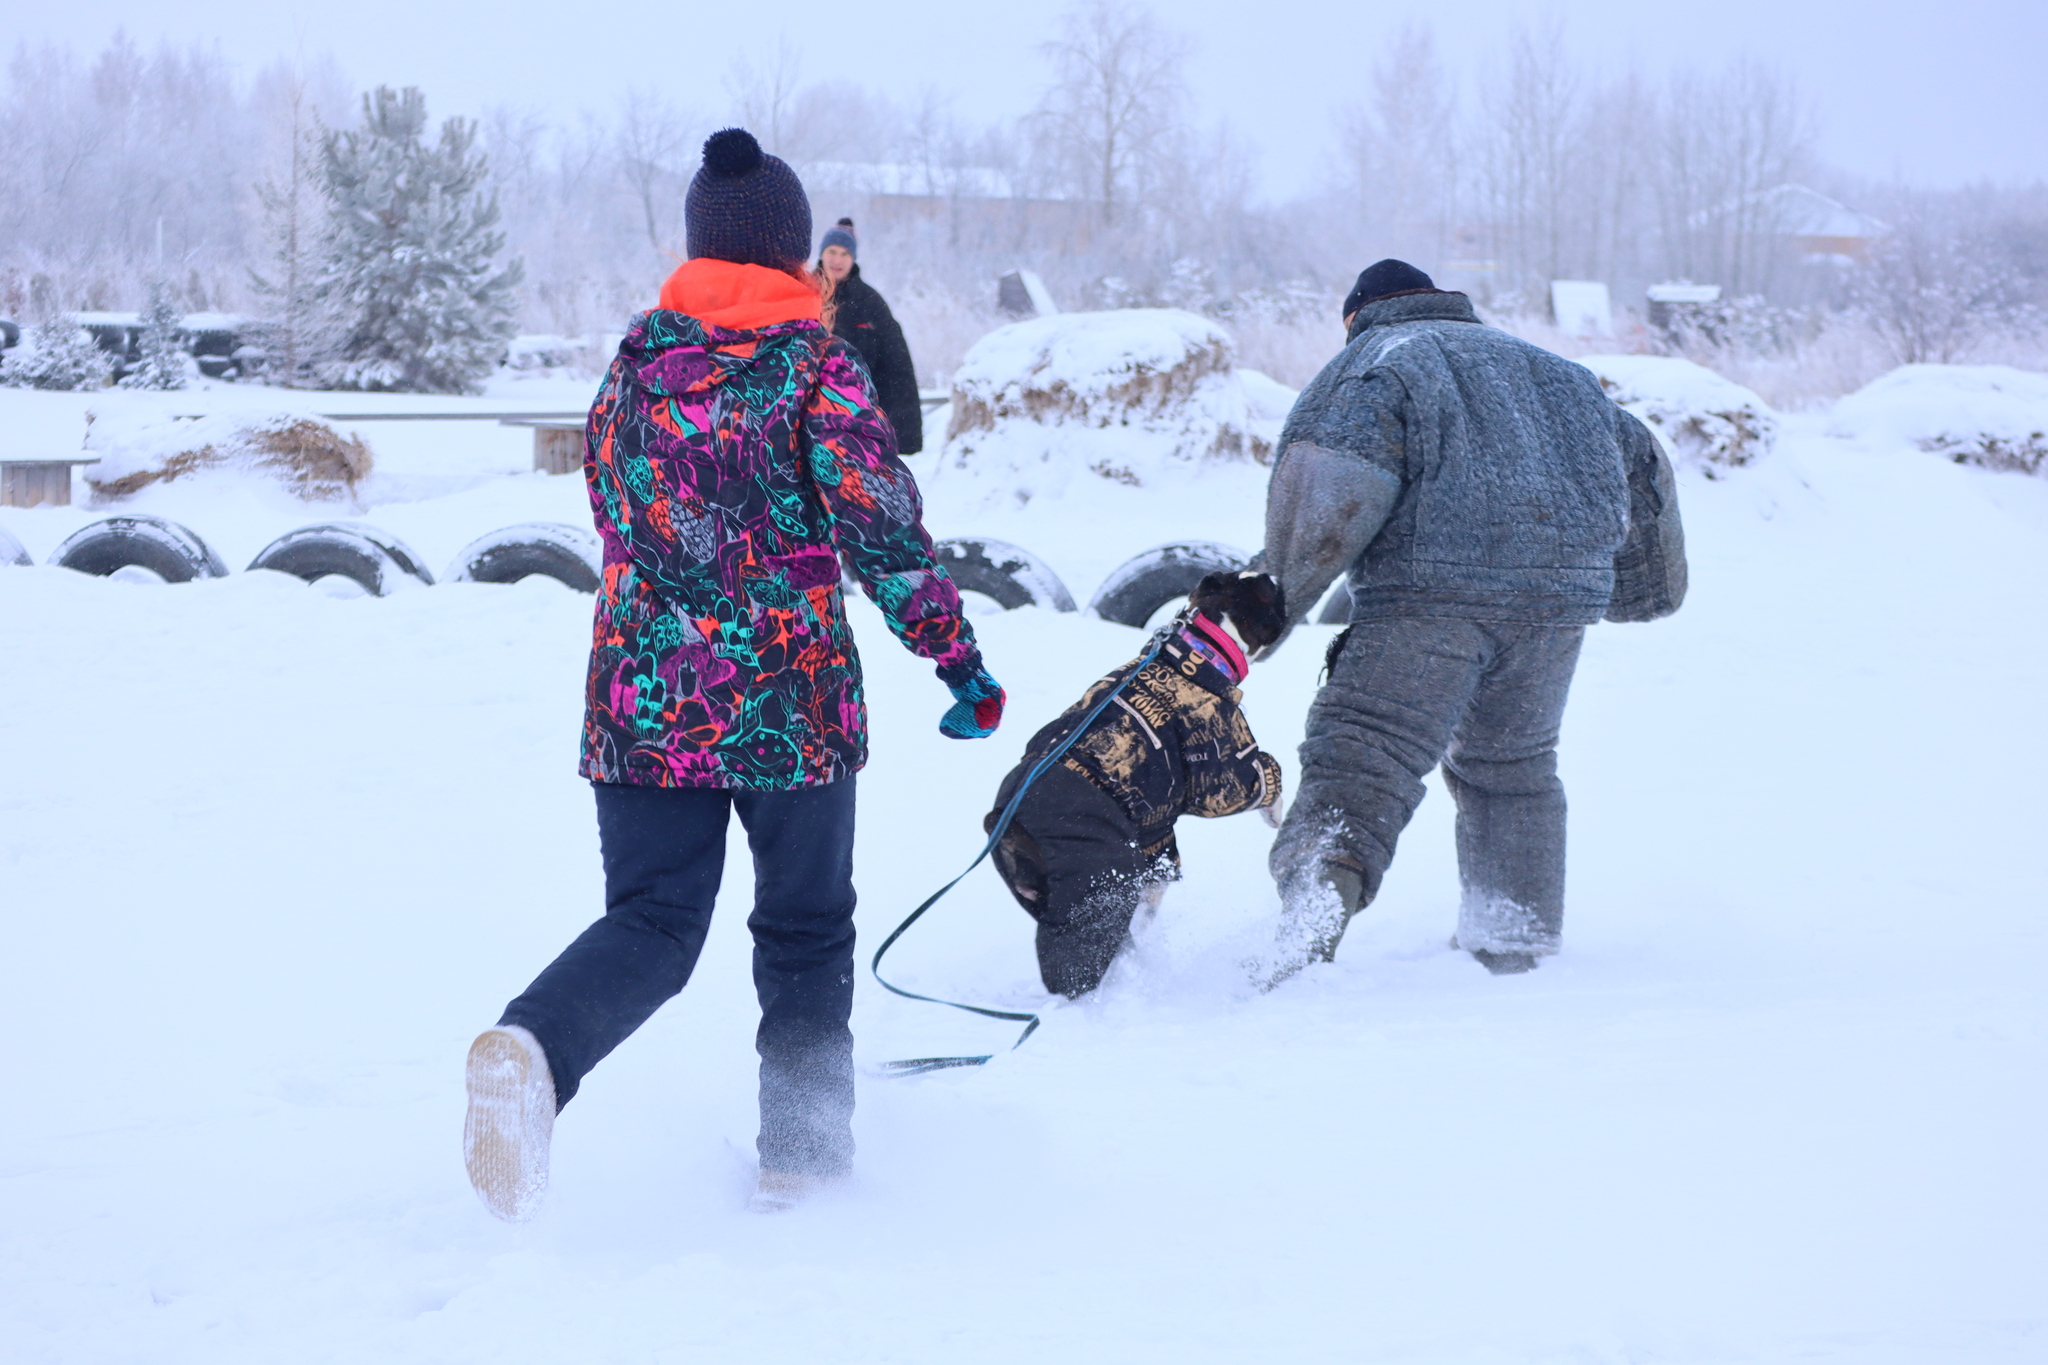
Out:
{"x": 977, "y": 707}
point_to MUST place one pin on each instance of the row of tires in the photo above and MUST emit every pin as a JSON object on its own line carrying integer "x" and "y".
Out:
{"x": 1133, "y": 593}
{"x": 375, "y": 560}
{"x": 380, "y": 563}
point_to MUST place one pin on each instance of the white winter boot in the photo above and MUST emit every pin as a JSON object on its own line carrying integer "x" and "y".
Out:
{"x": 511, "y": 1121}
{"x": 781, "y": 1191}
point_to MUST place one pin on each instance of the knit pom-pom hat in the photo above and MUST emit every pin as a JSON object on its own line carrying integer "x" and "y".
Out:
{"x": 746, "y": 206}
{"x": 840, "y": 235}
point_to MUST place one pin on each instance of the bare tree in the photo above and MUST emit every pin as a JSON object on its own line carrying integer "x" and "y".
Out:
{"x": 764, "y": 97}
{"x": 1728, "y": 142}
{"x": 1117, "y": 103}
{"x": 1402, "y": 153}
{"x": 291, "y": 207}
{"x": 1530, "y": 170}
{"x": 656, "y": 157}
{"x": 102, "y": 162}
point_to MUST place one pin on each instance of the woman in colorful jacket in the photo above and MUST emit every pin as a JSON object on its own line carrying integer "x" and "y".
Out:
{"x": 733, "y": 455}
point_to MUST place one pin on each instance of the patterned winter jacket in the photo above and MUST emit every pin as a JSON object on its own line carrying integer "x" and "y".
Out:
{"x": 728, "y": 470}
{"x": 1174, "y": 743}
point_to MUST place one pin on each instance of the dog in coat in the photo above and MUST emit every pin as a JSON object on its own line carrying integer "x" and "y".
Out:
{"x": 1092, "y": 843}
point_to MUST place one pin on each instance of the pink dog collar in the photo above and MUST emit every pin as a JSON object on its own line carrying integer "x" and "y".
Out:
{"x": 1219, "y": 638}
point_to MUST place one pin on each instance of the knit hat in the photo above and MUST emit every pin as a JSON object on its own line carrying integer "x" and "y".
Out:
{"x": 1382, "y": 278}
{"x": 745, "y": 206}
{"x": 841, "y": 235}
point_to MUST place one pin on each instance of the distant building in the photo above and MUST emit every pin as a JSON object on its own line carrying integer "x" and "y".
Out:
{"x": 1816, "y": 227}
{"x": 973, "y": 207}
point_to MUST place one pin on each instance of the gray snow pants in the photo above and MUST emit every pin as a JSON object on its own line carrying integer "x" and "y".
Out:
{"x": 1484, "y": 699}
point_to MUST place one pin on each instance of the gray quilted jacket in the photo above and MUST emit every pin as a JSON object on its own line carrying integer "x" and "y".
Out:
{"x": 1458, "y": 471}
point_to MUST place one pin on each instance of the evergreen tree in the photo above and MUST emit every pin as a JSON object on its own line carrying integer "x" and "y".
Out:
{"x": 405, "y": 267}
{"x": 296, "y": 339}
{"x": 57, "y": 354}
{"x": 163, "y": 359}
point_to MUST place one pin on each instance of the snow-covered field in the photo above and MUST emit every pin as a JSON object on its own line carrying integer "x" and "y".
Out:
{"x": 270, "y": 858}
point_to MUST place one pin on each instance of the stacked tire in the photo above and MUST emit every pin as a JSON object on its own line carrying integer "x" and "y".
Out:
{"x": 375, "y": 561}
{"x": 170, "y": 551}
{"x": 1136, "y": 589}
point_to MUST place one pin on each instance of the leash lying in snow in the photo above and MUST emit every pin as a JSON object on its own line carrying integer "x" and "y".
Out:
{"x": 917, "y": 1066}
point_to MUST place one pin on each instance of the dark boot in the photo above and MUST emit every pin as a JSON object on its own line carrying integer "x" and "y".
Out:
{"x": 1314, "y": 912}
{"x": 1500, "y": 964}
{"x": 1505, "y": 964}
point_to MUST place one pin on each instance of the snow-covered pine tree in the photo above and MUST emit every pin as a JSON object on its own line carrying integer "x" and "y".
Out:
{"x": 405, "y": 266}
{"x": 163, "y": 359}
{"x": 57, "y": 354}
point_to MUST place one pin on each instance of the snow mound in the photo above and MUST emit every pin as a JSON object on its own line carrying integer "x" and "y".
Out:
{"x": 309, "y": 458}
{"x": 1709, "y": 422}
{"x": 1990, "y": 416}
{"x": 1127, "y": 395}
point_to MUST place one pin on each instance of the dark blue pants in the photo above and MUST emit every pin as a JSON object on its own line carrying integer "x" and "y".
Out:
{"x": 664, "y": 853}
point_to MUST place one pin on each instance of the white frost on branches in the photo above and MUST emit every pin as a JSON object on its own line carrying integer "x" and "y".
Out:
{"x": 406, "y": 266}
{"x": 163, "y": 363}
{"x": 57, "y": 354}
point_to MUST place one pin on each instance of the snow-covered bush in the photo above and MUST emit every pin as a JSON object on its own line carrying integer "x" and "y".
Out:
{"x": 1709, "y": 422}
{"x": 309, "y": 458}
{"x": 1127, "y": 395}
{"x": 163, "y": 364}
{"x": 1991, "y": 416}
{"x": 57, "y": 354}
{"x": 545, "y": 352}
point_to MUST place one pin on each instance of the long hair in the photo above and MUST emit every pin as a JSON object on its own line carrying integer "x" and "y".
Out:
{"x": 828, "y": 290}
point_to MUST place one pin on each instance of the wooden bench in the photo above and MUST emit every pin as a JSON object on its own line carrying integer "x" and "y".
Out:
{"x": 557, "y": 442}
{"x": 39, "y": 482}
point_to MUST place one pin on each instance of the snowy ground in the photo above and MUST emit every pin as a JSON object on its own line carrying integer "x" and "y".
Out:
{"x": 269, "y": 859}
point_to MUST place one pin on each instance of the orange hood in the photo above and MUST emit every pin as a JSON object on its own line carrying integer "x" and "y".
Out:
{"x": 737, "y": 297}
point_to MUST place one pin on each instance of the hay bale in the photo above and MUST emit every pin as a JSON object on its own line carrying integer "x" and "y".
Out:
{"x": 1987, "y": 416}
{"x": 307, "y": 457}
{"x": 1125, "y": 395}
{"x": 1708, "y": 422}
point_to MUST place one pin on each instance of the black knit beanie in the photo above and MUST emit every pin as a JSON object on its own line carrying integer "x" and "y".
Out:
{"x": 746, "y": 206}
{"x": 1382, "y": 278}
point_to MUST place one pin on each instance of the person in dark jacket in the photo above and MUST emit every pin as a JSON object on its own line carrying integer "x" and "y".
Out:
{"x": 734, "y": 456}
{"x": 861, "y": 317}
{"x": 1092, "y": 840}
{"x": 1488, "y": 502}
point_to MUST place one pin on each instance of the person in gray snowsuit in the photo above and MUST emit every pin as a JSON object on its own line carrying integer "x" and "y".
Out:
{"x": 1489, "y": 502}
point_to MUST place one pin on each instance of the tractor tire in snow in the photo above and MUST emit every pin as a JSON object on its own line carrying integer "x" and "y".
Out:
{"x": 1014, "y": 577}
{"x": 376, "y": 562}
{"x": 166, "y": 549}
{"x": 1142, "y": 585}
{"x": 553, "y": 549}
{"x": 12, "y": 554}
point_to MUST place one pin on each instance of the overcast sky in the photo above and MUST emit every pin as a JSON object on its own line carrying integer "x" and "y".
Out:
{"x": 1938, "y": 94}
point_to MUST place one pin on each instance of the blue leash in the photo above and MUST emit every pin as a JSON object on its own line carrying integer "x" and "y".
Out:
{"x": 917, "y": 1066}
